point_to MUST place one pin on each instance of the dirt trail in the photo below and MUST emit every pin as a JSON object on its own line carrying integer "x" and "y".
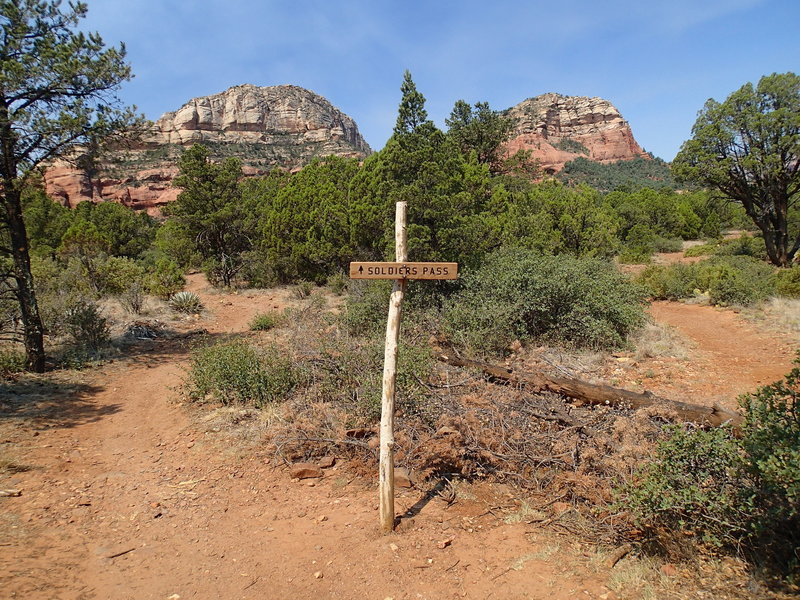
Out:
{"x": 127, "y": 498}
{"x": 728, "y": 357}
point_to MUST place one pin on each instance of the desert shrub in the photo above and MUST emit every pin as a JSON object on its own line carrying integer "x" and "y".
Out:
{"x": 115, "y": 274}
{"x": 133, "y": 297}
{"x": 692, "y": 485}
{"x": 11, "y": 362}
{"x": 303, "y": 289}
{"x": 771, "y": 442}
{"x": 787, "y": 282}
{"x": 86, "y": 325}
{"x": 265, "y": 321}
{"x": 350, "y": 374}
{"x": 186, "y": 302}
{"x": 706, "y": 249}
{"x": 366, "y": 307}
{"x": 664, "y": 244}
{"x": 235, "y": 372}
{"x": 729, "y": 280}
{"x": 731, "y": 490}
{"x": 166, "y": 279}
{"x": 745, "y": 245}
{"x": 735, "y": 280}
{"x": 338, "y": 283}
{"x": 522, "y": 295}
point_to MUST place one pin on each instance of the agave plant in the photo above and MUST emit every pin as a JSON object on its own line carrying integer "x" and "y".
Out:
{"x": 186, "y": 302}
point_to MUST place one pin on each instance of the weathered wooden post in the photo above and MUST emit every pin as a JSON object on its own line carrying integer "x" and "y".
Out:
{"x": 400, "y": 271}
{"x": 386, "y": 468}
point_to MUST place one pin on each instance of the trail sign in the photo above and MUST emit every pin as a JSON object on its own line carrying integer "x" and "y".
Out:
{"x": 403, "y": 270}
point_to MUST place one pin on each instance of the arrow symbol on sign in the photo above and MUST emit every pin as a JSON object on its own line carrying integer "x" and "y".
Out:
{"x": 360, "y": 269}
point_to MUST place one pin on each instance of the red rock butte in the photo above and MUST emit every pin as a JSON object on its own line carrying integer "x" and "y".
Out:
{"x": 558, "y": 129}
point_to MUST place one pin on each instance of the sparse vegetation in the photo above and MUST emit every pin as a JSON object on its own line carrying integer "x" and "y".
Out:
{"x": 265, "y": 321}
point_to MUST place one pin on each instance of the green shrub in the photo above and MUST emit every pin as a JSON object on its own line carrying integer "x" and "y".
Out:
{"x": 235, "y": 372}
{"x": 729, "y": 280}
{"x": 732, "y": 490}
{"x": 366, "y": 307}
{"x": 11, "y": 363}
{"x": 186, "y": 302}
{"x": 265, "y": 321}
{"x": 787, "y": 282}
{"x": 522, "y": 295}
{"x": 338, "y": 283}
{"x": 166, "y": 279}
{"x": 702, "y": 250}
{"x": 669, "y": 282}
{"x": 86, "y": 325}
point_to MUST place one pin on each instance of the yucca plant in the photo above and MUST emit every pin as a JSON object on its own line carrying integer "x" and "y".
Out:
{"x": 186, "y": 302}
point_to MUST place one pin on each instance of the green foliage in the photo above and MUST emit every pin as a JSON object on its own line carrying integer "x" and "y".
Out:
{"x": 693, "y": 484}
{"x": 86, "y": 325}
{"x": 570, "y": 145}
{"x": 166, "y": 279}
{"x": 729, "y": 280}
{"x": 481, "y": 130}
{"x": 731, "y": 490}
{"x": 338, "y": 282}
{"x": 366, "y": 306}
{"x": 305, "y": 228}
{"x": 747, "y": 148}
{"x": 127, "y": 233}
{"x": 525, "y": 296}
{"x": 174, "y": 241}
{"x": 11, "y": 363}
{"x": 787, "y": 282}
{"x": 46, "y": 221}
{"x": 186, "y": 302}
{"x": 303, "y": 289}
{"x": 210, "y": 212}
{"x": 607, "y": 177}
{"x": 235, "y": 372}
{"x": 411, "y": 113}
{"x": 265, "y": 321}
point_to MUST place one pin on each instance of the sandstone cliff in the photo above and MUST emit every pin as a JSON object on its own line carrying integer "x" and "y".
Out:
{"x": 282, "y": 126}
{"x": 558, "y": 129}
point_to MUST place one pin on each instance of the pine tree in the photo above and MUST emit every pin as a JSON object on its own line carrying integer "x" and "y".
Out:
{"x": 412, "y": 111}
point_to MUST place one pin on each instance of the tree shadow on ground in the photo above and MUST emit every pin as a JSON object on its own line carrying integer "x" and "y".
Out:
{"x": 41, "y": 402}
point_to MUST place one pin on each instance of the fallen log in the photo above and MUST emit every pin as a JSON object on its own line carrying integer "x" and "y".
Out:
{"x": 597, "y": 394}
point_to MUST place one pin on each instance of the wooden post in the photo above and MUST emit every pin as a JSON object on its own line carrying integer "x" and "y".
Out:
{"x": 386, "y": 475}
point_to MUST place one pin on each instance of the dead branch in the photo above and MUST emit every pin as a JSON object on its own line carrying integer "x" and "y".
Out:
{"x": 595, "y": 394}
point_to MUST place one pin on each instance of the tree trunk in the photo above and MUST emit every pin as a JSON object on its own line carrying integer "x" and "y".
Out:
{"x": 597, "y": 394}
{"x": 33, "y": 331}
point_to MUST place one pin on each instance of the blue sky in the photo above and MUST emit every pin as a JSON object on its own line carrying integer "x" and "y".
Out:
{"x": 656, "y": 61}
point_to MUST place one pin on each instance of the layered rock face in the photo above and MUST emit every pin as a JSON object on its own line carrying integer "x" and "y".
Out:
{"x": 558, "y": 129}
{"x": 282, "y": 126}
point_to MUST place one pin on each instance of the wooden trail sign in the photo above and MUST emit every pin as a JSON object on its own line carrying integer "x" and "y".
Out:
{"x": 403, "y": 270}
{"x": 400, "y": 271}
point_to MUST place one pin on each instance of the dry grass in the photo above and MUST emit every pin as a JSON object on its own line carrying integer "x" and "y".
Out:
{"x": 656, "y": 340}
{"x": 781, "y": 314}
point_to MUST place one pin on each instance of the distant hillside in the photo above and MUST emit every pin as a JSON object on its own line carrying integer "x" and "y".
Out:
{"x": 266, "y": 127}
{"x": 629, "y": 174}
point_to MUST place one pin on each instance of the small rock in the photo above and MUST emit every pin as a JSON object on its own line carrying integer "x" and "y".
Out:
{"x": 318, "y": 575}
{"x": 174, "y": 597}
{"x": 560, "y": 507}
{"x": 445, "y": 431}
{"x": 444, "y": 543}
{"x": 393, "y": 547}
{"x": 669, "y": 570}
{"x": 10, "y": 493}
{"x": 402, "y": 478}
{"x": 321, "y": 518}
{"x": 326, "y": 462}
{"x": 305, "y": 471}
